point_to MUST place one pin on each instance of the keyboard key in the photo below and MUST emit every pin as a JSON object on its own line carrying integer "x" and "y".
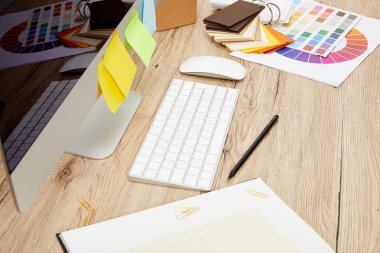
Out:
{"x": 177, "y": 176}
{"x": 142, "y": 159}
{"x": 146, "y": 152}
{"x": 168, "y": 164}
{"x": 194, "y": 171}
{"x": 204, "y": 184}
{"x": 218, "y": 139}
{"x": 153, "y": 165}
{"x": 182, "y": 165}
{"x": 190, "y": 180}
{"x": 206, "y": 175}
{"x": 152, "y": 137}
{"x": 157, "y": 158}
{"x": 199, "y": 156}
{"x": 171, "y": 157}
{"x": 164, "y": 174}
{"x": 137, "y": 169}
{"x": 150, "y": 173}
{"x": 196, "y": 163}
{"x": 188, "y": 149}
{"x": 209, "y": 167}
{"x": 184, "y": 157}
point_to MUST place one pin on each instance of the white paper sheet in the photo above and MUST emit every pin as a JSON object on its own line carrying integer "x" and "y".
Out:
{"x": 149, "y": 226}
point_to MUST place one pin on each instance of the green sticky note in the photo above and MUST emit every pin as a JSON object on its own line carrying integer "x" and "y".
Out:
{"x": 139, "y": 38}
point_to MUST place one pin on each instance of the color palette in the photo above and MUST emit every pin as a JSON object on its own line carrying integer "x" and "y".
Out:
{"x": 46, "y": 21}
{"x": 317, "y": 28}
{"x": 356, "y": 45}
{"x": 10, "y": 42}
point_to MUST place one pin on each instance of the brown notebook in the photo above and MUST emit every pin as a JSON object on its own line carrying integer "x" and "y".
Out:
{"x": 234, "y": 14}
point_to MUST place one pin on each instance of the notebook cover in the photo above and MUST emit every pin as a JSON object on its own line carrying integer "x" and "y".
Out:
{"x": 234, "y": 13}
{"x": 175, "y": 13}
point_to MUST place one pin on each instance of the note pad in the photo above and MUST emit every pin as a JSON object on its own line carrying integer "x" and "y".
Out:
{"x": 162, "y": 225}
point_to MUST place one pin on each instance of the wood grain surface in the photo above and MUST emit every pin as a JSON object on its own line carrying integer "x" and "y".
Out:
{"x": 322, "y": 157}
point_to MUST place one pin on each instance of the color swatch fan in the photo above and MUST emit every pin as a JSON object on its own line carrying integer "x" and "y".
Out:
{"x": 338, "y": 64}
{"x": 30, "y": 36}
{"x": 316, "y": 28}
{"x": 238, "y": 27}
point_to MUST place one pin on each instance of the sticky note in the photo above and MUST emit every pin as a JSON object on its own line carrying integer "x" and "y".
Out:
{"x": 111, "y": 92}
{"x": 119, "y": 64}
{"x": 139, "y": 38}
{"x": 149, "y": 15}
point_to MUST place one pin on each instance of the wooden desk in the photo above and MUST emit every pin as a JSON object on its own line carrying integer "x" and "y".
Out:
{"x": 322, "y": 158}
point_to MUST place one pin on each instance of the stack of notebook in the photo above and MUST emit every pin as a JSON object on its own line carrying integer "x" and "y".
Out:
{"x": 238, "y": 27}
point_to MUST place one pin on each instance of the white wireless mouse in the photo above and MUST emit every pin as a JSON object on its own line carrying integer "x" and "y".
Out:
{"x": 78, "y": 63}
{"x": 212, "y": 66}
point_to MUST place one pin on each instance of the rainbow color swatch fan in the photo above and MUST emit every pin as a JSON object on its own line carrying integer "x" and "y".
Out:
{"x": 333, "y": 68}
{"x": 29, "y": 36}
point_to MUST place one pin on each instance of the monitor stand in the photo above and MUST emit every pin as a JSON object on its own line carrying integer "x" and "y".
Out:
{"x": 102, "y": 130}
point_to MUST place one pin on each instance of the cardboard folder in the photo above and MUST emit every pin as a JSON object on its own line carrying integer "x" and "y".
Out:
{"x": 175, "y": 13}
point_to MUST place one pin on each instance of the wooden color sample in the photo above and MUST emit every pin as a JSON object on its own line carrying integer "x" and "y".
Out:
{"x": 175, "y": 13}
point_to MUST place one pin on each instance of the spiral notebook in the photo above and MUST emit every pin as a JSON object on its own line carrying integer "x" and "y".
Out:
{"x": 248, "y": 217}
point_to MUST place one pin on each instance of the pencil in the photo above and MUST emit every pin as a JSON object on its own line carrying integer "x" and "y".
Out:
{"x": 252, "y": 147}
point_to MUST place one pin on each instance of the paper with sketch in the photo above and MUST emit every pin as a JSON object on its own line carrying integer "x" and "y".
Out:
{"x": 245, "y": 232}
{"x": 208, "y": 211}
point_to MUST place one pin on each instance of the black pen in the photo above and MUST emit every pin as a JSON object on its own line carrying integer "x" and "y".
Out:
{"x": 252, "y": 147}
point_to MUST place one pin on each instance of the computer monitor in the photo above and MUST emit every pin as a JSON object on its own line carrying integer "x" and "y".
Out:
{"x": 82, "y": 124}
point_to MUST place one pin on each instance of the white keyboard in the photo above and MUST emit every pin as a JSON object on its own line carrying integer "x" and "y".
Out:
{"x": 185, "y": 141}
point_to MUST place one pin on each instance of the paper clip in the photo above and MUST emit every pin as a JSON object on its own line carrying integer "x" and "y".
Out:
{"x": 185, "y": 211}
{"x": 91, "y": 211}
{"x": 85, "y": 204}
{"x": 257, "y": 194}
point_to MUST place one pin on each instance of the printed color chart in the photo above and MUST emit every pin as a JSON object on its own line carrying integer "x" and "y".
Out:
{"x": 29, "y": 36}
{"x": 356, "y": 45}
{"x": 317, "y": 28}
{"x": 46, "y": 21}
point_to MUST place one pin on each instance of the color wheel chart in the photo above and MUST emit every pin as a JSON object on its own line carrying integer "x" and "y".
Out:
{"x": 332, "y": 69}
{"x": 29, "y": 36}
{"x": 356, "y": 45}
{"x": 317, "y": 29}
{"x": 40, "y": 30}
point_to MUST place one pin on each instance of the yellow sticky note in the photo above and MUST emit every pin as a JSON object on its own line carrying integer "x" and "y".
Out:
{"x": 112, "y": 94}
{"x": 119, "y": 64}
{"x": 139, "y": 38}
